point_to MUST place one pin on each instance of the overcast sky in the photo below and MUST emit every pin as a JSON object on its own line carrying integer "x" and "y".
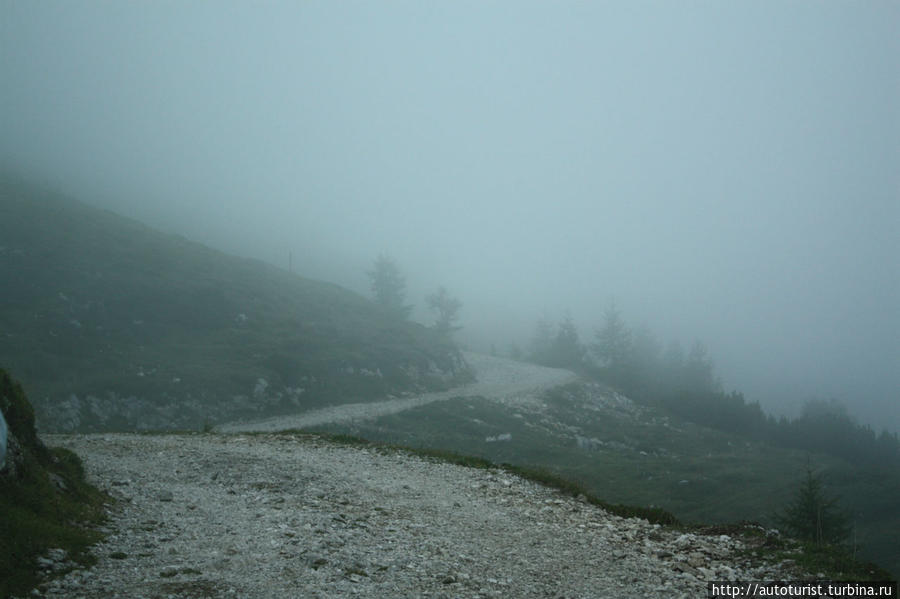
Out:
{"x": 727, "y": 171}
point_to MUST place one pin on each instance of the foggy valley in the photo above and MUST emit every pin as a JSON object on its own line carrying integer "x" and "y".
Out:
{"x": 652, "y": 248}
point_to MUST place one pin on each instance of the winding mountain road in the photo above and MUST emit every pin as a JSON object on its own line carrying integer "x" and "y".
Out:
{"x": 498, "y": 379}
{"x": 294, "y": 515}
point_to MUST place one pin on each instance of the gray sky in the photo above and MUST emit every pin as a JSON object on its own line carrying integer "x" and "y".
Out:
{"x": 728, "y": 171}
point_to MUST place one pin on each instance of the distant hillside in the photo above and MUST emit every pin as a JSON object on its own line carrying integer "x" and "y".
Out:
{"x": 112, "y": 325}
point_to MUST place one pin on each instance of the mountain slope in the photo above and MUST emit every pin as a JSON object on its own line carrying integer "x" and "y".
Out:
{"x": 112, "y": 325}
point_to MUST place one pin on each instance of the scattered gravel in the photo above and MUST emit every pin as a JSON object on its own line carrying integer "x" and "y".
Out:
{"x": 295, "y": 516}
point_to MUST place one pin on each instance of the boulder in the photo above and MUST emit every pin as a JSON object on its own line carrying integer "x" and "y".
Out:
{"x": 18, "y": 433}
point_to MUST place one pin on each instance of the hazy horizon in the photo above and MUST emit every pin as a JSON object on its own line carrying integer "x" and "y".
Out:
{"x": 724, "y": 172}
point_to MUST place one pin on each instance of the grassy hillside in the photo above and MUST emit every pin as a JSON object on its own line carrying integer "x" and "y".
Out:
{"x": 112, "y": 325}
{"x": 630, "y": 453}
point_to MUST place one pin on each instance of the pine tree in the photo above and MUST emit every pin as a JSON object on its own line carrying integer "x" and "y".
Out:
{"x": 813, "y": 516}
{"x": 389, "y": 287}
{"x": 613, "y": 346}
{"x": 541, "y": 342}
{"x": 446, "y": 308}
{"x": 566, "y": 350}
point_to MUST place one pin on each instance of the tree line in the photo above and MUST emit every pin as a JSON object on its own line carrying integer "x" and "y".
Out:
{"x": 684, "y": 382}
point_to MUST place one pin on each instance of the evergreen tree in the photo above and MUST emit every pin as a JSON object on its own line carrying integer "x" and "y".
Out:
{"x": 673, "y": 365}
{"x": 566, "y": 351}
{"x": 813, "y": 516}
{"x": 698, "y": 370}
{"x": 645, "y": 361}
{"x": 613, "y": 344}
{"x": 389, "y": 287}
{"x": 446, "y": 308}
{"x": 541, "y": 342}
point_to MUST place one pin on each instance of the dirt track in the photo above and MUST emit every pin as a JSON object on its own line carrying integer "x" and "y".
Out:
{"x": 498, "y": 379}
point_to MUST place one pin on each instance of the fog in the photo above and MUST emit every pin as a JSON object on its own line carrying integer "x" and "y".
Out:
{"x": 728, "y": 172}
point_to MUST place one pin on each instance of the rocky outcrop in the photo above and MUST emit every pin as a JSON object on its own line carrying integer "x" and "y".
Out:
{"x": 3, "y": 436}
{"x": 19, "y": 435}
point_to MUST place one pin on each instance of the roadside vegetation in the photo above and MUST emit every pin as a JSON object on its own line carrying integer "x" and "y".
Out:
{"x": 45, "y": 502}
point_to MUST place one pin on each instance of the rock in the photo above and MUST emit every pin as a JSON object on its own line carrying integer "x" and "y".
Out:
{"x": 58, "y": 481}
{"x": 687, "y": 569}
{"x": 15, "y": 457}
{"x": 58, "y": 555}
{"x": 165, "y": 496}
{"x": 696, "y": 560}
{"x": 3, "y": 436}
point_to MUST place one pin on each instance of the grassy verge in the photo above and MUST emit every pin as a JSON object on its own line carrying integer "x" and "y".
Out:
{"x": 45, "y": 504}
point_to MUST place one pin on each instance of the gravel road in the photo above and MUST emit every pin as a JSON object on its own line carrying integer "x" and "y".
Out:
{"x": 275, "y": 516}
{"x": 499, "y": 379}
{"x": 291, "y": 515}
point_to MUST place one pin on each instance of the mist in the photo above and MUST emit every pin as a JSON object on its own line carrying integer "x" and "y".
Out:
{"x": 726, "y": 172}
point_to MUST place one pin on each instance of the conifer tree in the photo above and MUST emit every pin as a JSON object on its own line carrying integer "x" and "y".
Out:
{"x": 389, "y": 287}
{"x": 446, "y": 309}
{"x": 814, "y": 516}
